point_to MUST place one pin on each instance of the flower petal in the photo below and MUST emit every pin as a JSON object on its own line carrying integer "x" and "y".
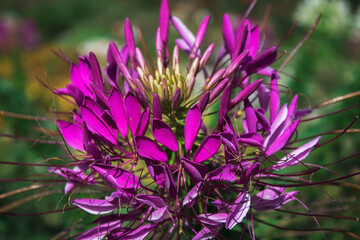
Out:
{"x": 72, "y": 134}
{"x": 207, "y": 148}
{"x": 118, "y": 111}
{"x": 238, "y": 210}
{"x": 297, "y": 155}
{"x": 117, "y": 177}
{"x": 163, "y": 134}
{"x": 95, "y": 206}
{"x": 148, "y": 148}
{"x": 192, "y": 126}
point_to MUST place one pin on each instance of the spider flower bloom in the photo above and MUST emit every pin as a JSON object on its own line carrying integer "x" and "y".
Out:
{"x": 159, "y": 170}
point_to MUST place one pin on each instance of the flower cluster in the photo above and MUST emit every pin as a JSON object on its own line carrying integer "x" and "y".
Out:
{"x": 159, "y": 169}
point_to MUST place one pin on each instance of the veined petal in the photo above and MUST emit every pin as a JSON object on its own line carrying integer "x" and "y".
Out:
{"x": 274, "y": 97}
{"x": 148, "y": 148}
{"x": 238, "y": 211}
{"x": 282, "y": 139}
{"x": 163, "y": 134}
{"x": 297, "y": 155}
{"x": 251, "y": 118}
{"x": 95, "y": 206}
{"x": 225, "y": 173}
{"x": 97, "y": 125}
{"x": 207, "y": 148}
{"x": 117, "y": 177}
{"x": 192, "y": 194}
{"x": 192, "y": 126}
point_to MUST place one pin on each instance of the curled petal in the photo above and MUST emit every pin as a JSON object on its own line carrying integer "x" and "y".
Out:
{"x": 238, "y": 211}
{"x": 157, "y": 112}
{"x": 95, "y": 206}
{"x": 143, "y": 122}
{"x": 296, "y": 156}
{"x": 133, "y": 111}
{"x": 192, "y": 194}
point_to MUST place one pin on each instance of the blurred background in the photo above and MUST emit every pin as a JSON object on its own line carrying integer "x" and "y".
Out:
{"x": 326, "y": 66}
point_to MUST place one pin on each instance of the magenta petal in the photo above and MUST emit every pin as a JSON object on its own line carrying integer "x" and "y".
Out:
{"x": 163, "y": 134}
{"x": 148, "y": 148}
{"x": 69, "y": 186}
{"x": 238, "y": 211}
{"x": 297, "y": 155}
{"x": 72, "y": 134}
{"x": 129, "y": 38}
{"x": 76, "y": 93}
{"x": 265, "y": 123}
{"x": 99, "y": 231}
{"x": 192, "y": 194}
{"x": 213, "y": 218}
{"x": 118, "y": 111}
{"x": 192, "y": 126}
{"x": 282, "y": 140}
{"x": 133, "y": 111}
{"x": 224, "y": 104}
{"x": 169, "y": 182}
{"x": 164, "y": 18}
{"x": 255, "y": 36}
{"x": 264, "y": 96}
{"x": 228, "y": 34}
{"x": 245, "y": 93}
{"x": 117, "y": 177}
{"x": 139, "y": 233}
{"x": 291, "y": 111}
{"x": 96, "y": 71}
{"x": 204, "y": 101}
{"x": 251, "y": 118}
{"x": 176, "y": 99}
{"x": 143, "y": 122}
{"x": 241, "y": 37}
{"x": 184, "y": 32}
{"x": 207, "y": 233}
{"x": 156, "y": 171}
{"x": 225, "y": 173}
{"x": 95, "y": 206}
{"x": 274, "y": 97}
{"x": 207, "y": 148}
{"x": 263, "y": 60}
{"x": 200, "y": 36}
{"x": 97, "y": 125}
{"x": 157, "y": 112}
{"x": 196, "y": 171}
{"x": 272, "y": 198}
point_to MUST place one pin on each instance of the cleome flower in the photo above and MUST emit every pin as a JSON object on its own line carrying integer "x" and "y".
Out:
{"x": 158, "y": 170}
